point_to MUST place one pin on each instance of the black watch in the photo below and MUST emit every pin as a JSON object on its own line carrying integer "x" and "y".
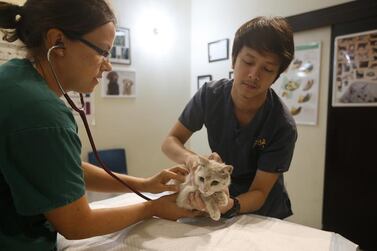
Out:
{"x": 234, "y": 210}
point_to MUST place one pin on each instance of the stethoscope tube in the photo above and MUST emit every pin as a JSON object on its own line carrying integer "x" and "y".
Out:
{"x": 81, "y": 112}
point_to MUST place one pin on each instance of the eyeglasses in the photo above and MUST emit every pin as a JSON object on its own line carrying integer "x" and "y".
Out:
{"x": 100, "y": 51}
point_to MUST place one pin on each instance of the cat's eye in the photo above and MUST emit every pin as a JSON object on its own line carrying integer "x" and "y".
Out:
{"x": 214, "y": 183}
{"x": 201, "y": 179}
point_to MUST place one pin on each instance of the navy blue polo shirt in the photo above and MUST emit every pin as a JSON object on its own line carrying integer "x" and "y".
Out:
{"x": 266, "y": 143}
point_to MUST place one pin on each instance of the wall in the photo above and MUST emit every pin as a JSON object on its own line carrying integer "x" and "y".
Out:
{"x": 306, "y": 176}
{"x": 305, "y": 179}
{"x": 162, "y": 70}
{"x": 19, "y": 2}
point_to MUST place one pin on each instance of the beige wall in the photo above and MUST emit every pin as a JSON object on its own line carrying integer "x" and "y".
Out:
{"x": 162, "y": 66}
{"x": 305, "y": 178}
{"x": 19, "y": 2}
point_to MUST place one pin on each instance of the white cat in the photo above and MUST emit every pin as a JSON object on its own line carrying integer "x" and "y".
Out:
{"x": 211, "y": 179}
{"x": 360, "y": 92}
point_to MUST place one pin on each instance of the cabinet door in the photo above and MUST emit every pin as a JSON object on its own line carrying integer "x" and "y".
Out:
{"x": 350, "y": 192}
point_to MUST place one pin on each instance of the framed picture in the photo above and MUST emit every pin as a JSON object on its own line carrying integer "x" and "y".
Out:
{"x": 119, "y": 83}
{"x": 203, "y": 79}
{"x": 218, "y": 50}
{"x": 355, "y": 69}
{"x": 121, "y": 51}
{"x": 231, "y": 75}
{"x": 298, "y": 86}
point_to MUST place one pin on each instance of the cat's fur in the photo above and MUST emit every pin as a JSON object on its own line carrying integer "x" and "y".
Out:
{"x": 360, "y": 92}
{"x": 210, "y": 178}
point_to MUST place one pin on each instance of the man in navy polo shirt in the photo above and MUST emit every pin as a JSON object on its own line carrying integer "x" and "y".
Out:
{"x": 247, "y": 123}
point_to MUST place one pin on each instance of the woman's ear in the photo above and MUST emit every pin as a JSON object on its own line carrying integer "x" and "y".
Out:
{"x": 55, "y": 37}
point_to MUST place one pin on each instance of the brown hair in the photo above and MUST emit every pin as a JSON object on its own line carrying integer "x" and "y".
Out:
{"x": 30, "y": 22}
{"x": 265, "y": 34}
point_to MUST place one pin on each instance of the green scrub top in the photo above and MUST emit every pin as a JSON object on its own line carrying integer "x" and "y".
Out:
{"x": 40, "y": 165}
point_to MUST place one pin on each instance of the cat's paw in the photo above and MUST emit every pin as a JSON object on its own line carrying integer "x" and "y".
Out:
{"x": 221, "y": 199}
{"x": 215, "y": 215}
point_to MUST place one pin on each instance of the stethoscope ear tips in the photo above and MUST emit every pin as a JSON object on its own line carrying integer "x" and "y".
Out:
{"x": 59, "y": 45}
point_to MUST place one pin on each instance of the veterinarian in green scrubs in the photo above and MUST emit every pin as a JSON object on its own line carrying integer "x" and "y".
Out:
{"x": 42, "y": 178}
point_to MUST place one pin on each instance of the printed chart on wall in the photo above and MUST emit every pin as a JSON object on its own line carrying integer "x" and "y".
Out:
{"x": 9, "y": 51}
{"x": 298, "y": 87}
{"x": 355, "y": 70}
{"x": 88, "y": 106}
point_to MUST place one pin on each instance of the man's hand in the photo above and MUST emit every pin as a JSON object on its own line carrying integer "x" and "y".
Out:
{"x": 192, "y": 162}
{"x": 216, "y": 157}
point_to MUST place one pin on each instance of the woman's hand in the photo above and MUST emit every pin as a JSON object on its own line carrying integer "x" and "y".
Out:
{"x": 165, "y": 207}
{"x": 196, "y": 202}
{"x": 159, "y": 182}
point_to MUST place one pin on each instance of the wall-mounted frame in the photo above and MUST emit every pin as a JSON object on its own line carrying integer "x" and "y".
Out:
{"x": 119, "y": 83}
{"x": 203, "y": 79}
{"x": 218, "y": 50}
{"x": 298, "y": 86}
{"x": 121, "y": 51}
{"x": 355, "y": 69}
{"x": 231, "y": 75}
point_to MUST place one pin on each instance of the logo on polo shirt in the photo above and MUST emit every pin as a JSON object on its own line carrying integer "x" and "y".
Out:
{"x": 260, "y": 143}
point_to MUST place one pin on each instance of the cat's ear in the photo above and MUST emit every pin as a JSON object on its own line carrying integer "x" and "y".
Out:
{"x": 204, "y": 161}
{"x": 228, "y": 169}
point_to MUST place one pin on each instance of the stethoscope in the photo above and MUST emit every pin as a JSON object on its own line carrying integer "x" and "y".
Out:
{"x": 81, "y": 112}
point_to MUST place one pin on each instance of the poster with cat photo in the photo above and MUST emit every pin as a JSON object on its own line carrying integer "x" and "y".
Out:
{"x": 298, "y": 86}
{"x": 355, "y": 70}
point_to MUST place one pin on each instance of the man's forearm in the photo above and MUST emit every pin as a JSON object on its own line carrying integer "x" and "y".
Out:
{"x": 175, "y": 150}
{"x": 251, "y": 201}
